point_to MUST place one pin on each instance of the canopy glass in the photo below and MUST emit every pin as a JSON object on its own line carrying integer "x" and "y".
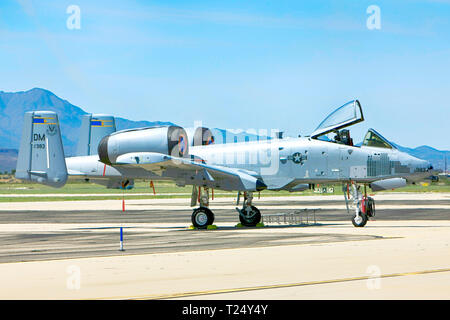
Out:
{"x": 374, "y": 139}
{"x": 344, "y": 116}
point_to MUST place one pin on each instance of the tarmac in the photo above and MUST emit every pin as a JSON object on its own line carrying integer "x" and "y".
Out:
{"x": 70, "y": 250}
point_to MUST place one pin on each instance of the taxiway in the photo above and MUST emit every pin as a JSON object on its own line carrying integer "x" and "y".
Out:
{"x": 69, "y": 250}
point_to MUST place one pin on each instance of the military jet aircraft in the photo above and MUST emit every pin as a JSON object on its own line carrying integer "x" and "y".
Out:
{"x": 164, "y": 153}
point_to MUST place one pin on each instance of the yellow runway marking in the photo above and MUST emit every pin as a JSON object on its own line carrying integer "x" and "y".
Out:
{"x": 280, "y": 286}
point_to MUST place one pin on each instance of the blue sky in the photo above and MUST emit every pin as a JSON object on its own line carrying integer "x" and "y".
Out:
{"x": 239, "y": 64}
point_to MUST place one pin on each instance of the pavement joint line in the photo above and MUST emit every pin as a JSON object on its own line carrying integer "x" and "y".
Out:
{"x": 121, "y": 254}
{"x": 278, "y": 286}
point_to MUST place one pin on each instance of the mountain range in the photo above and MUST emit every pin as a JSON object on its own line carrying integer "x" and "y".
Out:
{"x": 13, "y": 105}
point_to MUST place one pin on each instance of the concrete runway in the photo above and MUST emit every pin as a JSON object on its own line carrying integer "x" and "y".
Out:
{"x": 69, "y": 250}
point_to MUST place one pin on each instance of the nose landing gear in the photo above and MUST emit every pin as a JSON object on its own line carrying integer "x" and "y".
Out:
{"x": 364, "y": 206}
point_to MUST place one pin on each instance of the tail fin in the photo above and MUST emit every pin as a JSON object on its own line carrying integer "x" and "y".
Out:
{"x": 93, "y": 128}
{"x": 41, "y": 154}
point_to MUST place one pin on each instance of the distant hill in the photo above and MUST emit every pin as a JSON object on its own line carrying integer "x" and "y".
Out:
{"x": 13, "y": 105}
{"x": 8, "y": 159}
{"x": 434, "y": 156}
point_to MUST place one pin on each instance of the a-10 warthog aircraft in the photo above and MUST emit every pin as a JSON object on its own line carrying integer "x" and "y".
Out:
{"x": 164, "y": 153}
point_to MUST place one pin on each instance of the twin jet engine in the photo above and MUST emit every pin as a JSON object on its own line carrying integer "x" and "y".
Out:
{"x": 170, "y": 140}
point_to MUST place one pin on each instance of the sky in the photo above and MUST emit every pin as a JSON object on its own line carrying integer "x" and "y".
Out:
{"x": 261, "y": 65}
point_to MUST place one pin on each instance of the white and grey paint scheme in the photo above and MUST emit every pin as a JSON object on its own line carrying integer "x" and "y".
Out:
{"x": 165, "y": 153}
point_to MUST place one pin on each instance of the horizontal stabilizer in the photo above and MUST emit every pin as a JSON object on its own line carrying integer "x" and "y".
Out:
{"x": 39, "y": 173}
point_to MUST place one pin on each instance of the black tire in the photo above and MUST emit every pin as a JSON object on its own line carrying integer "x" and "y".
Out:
{"x": 252, "y": 220}
{"x": 370, "y": 207}
{"x": 360, "y": 222}
{"x": 202, "y": 218}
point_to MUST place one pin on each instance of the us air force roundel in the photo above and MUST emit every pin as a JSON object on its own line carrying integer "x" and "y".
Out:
{"x": 297, "y": 158}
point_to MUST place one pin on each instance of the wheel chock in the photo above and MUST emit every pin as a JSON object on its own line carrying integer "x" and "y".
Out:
{"x": 210, "y": 227}
{"x": 258, "y": 225}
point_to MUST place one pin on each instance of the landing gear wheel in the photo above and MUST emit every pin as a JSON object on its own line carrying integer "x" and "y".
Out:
{"x": 249, "y": 216}
{"x": 360, "y": 220}
{"x": 202, "y": 218}
{"x": 370, "y": 207}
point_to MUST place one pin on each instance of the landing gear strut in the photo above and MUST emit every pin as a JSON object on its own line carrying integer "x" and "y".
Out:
{"x": 249, "y": 215}
{"x": 364, "y": 206}
{"x": 202, "y": 217}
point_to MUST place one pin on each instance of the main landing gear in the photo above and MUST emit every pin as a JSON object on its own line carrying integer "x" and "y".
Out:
{"x": 249, "y": 215}
{"x": 202, "y": 217}
{"x": 363, "y": 205}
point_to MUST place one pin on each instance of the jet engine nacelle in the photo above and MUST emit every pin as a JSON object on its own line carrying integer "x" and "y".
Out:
{"x": 170, "y": 140}
{"x": 388, "y": 184}
{"x": 200, "y": 136}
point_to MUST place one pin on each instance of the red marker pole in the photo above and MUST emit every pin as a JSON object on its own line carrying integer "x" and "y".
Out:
{"x": 152, "y": 186}
{"x": 123, "y": 197}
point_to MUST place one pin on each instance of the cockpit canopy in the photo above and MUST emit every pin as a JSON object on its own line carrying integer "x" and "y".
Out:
{"x": 344, "y": 116}
{"x": 374, "y": 139}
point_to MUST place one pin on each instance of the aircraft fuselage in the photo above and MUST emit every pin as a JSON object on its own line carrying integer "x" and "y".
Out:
{"x": 280, "y": 163}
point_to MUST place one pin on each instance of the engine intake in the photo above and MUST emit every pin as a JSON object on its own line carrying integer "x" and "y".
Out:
{"x": 170, "y": 140}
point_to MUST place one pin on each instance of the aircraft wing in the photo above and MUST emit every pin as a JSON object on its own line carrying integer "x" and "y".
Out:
{"x": 190, "y": 171}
